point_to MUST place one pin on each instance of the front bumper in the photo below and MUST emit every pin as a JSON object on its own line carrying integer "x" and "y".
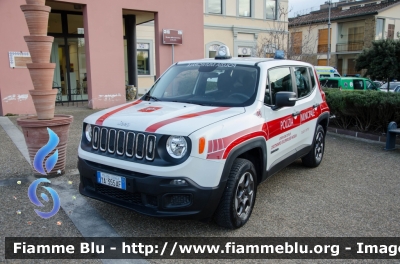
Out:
{"x": 150, "y": 194}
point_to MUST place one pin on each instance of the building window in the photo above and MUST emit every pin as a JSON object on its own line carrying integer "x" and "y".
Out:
{"x": 323, "y": 40}
{"x": 214, "y": 6}
{"x": 351, "y": 67}
{"x": 390, "y": 31}
{"x": 244, "y": 8}
{"x": 270, "y": 9}
{"x": 143, "y": 64}
{"x": 379, "y": 28}
{"x": 356, "y": 38}
{"x": 322, "y": 62}
{"x": 270, "y": 50}
{"x": 297, "y": 38}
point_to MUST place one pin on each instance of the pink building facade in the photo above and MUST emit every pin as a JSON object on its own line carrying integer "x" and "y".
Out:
{"x": 89, "y": 47}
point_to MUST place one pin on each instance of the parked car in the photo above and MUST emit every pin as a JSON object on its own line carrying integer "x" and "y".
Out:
{"x": 349, "y": 83}
{"x": 378, "y": 83}
{"x": 392, "y": 86}
{"x": 326, "y": 71}
{"x": 183, "y": 150}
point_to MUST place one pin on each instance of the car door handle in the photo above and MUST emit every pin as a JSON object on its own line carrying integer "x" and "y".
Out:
{"x": 295, "y": 114}
{"x": 315, "y": 106}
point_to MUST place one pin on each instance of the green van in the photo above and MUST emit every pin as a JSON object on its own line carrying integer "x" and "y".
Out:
{"x": 348, "y": 83}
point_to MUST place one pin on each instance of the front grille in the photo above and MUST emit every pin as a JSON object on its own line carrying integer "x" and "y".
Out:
{"x": 135, "y": 198}
{"x": 103, "y": 139}
{"x": 123, "y": 143}
{"x": 112, "y": 133}
{"x": 96, "y": 133}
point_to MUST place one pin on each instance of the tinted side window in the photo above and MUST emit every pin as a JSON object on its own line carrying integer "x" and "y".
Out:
{"x": 330, "y": 83}
{"x": 280, "y": 80}
{"x": 358, "y": 85}
{"x": 302, "y": 81}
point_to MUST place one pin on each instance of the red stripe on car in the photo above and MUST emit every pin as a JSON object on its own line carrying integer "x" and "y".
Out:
{"x": 101, "y": 119}
{"x": 224, "y": 144}
{"x": 267, "y": 130}
{"x": 243, "y": 139}
{"x": 156, "y": 126}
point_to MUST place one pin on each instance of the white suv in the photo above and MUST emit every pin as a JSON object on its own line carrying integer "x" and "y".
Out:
{"x": 204, "y": 136}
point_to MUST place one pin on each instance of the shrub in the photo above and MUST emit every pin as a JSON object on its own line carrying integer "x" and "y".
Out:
{"x": 363, "y": 110}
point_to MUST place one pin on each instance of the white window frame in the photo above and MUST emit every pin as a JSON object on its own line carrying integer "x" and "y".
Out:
{"x": 277, "y": 4}
{"x": 223, "y": 3}
{"x": 251, "y": 9}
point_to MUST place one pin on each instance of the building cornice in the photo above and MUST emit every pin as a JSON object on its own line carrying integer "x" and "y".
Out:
{"x": 241, "y": 29}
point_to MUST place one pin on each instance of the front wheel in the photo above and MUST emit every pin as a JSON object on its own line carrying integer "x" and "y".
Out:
{"x": 237, "y": 202}
{"x": 314, "y": 157}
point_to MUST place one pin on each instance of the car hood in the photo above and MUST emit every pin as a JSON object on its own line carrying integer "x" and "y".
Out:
{"x": 168, "y": 118}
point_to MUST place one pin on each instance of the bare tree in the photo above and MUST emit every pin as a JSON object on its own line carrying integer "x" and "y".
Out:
{"x": 298, "y": 44}
{"x": 276, "y": 38}
{"x": 303, "y": 47}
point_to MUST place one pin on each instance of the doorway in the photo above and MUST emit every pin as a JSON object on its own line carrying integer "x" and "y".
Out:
{"x": 68, "y": 52}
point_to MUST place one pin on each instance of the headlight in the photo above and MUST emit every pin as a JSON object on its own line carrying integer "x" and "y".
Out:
{"x": 176, "y": 146}
{"x": 88, "y": 132}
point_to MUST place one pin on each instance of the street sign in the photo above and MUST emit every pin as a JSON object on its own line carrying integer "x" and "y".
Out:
{"x": 172, "y": 36}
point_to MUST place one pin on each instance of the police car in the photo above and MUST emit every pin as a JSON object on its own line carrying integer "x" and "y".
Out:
{"x": 204, "y": 137}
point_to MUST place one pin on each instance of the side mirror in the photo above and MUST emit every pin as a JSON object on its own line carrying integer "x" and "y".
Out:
{"x": 284, "y": 99}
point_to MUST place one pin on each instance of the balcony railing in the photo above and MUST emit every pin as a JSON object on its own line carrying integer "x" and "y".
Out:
{"x": 350, "y": 46}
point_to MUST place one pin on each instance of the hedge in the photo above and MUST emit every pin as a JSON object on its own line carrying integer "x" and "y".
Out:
{"x": 363, "y": 110}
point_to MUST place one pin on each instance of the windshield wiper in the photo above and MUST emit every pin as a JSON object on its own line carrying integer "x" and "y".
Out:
{"x": 148, "y": 96}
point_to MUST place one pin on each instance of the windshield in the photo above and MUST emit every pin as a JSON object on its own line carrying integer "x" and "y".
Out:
{"x": 211, "y": 84}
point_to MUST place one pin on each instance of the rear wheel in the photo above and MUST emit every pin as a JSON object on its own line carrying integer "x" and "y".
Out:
{"x": 314, "y": 157}
{"x": 238, "y": 199}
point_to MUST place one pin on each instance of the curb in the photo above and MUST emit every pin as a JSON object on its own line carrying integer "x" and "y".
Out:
{"x": 361, "y": 135}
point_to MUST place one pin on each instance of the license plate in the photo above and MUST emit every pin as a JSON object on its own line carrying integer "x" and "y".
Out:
{"x": 111, "y": 180}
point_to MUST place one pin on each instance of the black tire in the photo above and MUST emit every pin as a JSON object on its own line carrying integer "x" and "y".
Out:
{"x": 314, "y": 157}
{"x": 238, "y": 200}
